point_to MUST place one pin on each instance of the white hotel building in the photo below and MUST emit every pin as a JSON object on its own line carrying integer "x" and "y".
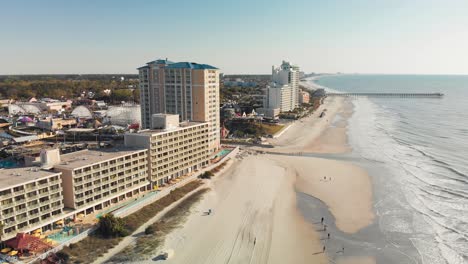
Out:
{"x": 283, "y": 92}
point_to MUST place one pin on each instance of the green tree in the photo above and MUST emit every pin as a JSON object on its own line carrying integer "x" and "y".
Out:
{"x": 111, "y": 226}
{"x": 136, "y": 95}
{"x": 1, "y": 230}
{"x": 122, "y": 95}
{"x": 206, "y": 175}
{"x": 63, "y": 256}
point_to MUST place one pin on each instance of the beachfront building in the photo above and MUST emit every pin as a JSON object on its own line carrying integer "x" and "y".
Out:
{"x": 283, "y": 91}
{"x": 304, "y": 97}
{"x": 94, "y": 179}
{"x": 269, "y": 112}
{"x": 174, "y": 149}
{"x": 188, "y": 89}
{"x": 280, "y": 97}
{"x": 30, "y": 198}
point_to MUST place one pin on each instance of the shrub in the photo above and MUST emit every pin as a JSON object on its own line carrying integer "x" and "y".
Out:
{"x": 150, "y": 230}
{"x": 63, "y": 256}
{"x": 111, "y": 226}
{"x": 206, "y": 175}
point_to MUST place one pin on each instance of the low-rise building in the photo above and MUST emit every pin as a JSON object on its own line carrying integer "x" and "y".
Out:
{"x": 30, "y": 198}
{"x": 65, "y": 186}
{"x": 304, "y": 97}
{"x": 269, "y": 112}
{"x": 94, "y": 179}
{"x": 173, "y": 149}
{"x": 55, "y": 123}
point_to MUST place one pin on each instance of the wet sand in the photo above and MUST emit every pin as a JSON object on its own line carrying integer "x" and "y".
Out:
{"x": 345, "y": 188}
{"x": 356, "y": 260}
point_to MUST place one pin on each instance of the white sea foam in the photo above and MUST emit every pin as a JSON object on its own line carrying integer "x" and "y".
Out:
{"x": 423, "y": 194}
{"x": 371, "y": 131}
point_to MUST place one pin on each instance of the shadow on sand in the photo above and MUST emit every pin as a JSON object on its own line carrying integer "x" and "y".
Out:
{"x": 159, "y": 258}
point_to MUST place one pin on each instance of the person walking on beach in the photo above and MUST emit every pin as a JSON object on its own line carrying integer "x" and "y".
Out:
{"x": 342, "y": 250}
{"x": 323, "y": 250}
{"x": 328, "y": 235}
{"x": 322, "y": 220}
{"x": 255, "y": 241}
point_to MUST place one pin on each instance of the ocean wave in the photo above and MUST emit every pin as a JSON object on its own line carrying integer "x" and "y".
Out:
{"x": 417, "y": 163}
{"x": 433, "y": 158}
{"x": 435, "y": 183}
{"x": 444, "y": 227}
{"x": 428, "y": 173}
{"x": 451, "y": 255}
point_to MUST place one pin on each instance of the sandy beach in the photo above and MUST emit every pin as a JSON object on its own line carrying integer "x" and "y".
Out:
{"x": 317, "y": 135}
{"x": 255, "y": 217}
{"x": 254, "y": 220}
{"x": 336, "y": 183}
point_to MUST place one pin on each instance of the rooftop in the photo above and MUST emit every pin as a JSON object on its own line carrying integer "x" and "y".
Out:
{"x": 16, "y": 176}
{"x": 180, "y": 65}
{"x": 182, "y": 125}
{"x": 86, "y": 157}
{"x": 160, "y": 61}
{"x": 25, "y": 138}
{"x": 190, "y": 65}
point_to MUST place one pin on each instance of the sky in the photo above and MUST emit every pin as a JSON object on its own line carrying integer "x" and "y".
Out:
{"x": 237, "y": 36}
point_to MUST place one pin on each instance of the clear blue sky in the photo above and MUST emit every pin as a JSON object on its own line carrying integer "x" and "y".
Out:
{"x": 238, "y": 36}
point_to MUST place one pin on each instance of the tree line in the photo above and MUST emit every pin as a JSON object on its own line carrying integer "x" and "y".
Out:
{"x": 23, "y": 89}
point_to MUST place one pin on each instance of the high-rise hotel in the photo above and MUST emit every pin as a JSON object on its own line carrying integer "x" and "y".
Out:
{"x": 283, "y": 91}
{"x": 188, "y": 89}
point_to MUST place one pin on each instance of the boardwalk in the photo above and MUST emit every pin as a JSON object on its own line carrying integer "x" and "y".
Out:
{"x": 402, "y": 95}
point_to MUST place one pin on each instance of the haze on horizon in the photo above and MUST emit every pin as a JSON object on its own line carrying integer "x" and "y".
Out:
{"x": 361, "y": 36}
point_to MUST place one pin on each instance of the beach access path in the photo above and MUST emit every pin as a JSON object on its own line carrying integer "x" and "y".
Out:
{"x": 132, "y": 238}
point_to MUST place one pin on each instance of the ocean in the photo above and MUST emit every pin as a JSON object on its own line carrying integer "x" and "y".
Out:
{"x": 416, "y": 151}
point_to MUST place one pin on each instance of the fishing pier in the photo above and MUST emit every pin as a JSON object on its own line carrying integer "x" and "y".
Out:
{"x": 400, "y": 95}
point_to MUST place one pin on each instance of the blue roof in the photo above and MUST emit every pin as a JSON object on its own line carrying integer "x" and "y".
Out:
{"x": 180, "y": 65}
{"x": 190, "y": 65}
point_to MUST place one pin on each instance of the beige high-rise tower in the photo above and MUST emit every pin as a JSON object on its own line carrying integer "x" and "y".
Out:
{"x": 188, "y": 89}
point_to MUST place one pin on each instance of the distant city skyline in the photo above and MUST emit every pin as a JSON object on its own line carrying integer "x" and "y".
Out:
{"x": 238, "y": 37}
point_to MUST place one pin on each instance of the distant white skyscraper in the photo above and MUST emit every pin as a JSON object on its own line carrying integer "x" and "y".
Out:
{"x": 283, "y": 92}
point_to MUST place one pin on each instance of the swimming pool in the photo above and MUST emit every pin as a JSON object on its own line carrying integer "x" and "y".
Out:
{"x": 223, "y": 152}
{"x": 8, "y": 164}
{"x": 64, "y": 235}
